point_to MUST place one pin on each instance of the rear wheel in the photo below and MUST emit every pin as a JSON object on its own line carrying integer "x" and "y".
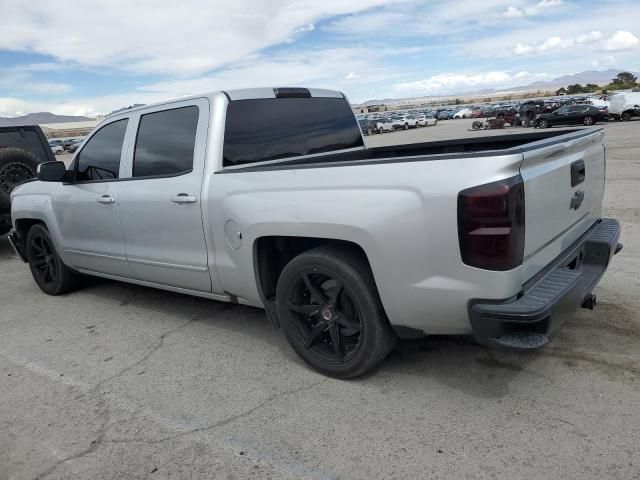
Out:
{"x": 406, "y": 126}
{"x": 48, "y": 270}
{"x": 331, "y": 313}
{"x": 588, "y": 120}
{"x": 626, "y": 116}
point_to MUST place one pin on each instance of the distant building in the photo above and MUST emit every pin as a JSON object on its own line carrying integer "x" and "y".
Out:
{"x": 69, "y": 129}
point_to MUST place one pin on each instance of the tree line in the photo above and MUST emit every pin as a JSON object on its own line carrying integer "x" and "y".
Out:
{"x": 622, "y": 81}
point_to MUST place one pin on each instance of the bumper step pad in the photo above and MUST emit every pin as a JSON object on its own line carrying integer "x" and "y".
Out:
{"x": 524, "y": 322}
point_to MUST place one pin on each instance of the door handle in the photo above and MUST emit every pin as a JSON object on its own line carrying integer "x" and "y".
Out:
{"x": 184, "y": 198}
{"x": 106, "y": 200}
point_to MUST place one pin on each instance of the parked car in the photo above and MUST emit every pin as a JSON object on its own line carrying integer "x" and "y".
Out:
{"x": 269, "y": 198}
{"x": 625, "y": 106}
{"x": 426, "y": 121}
{"x": 572, "y": 114}
{"x": 57, "y": 149}
{"x": 384, "y": 125}
{"x": 21, "y": 150}
{"x": 405, "y": 122}
{"x": 477, "y": 113}
{"x": 367, "y": 126}
{"x": 463, "y": 113}
{"x": 72, "y": 147}
{"x": 446, "y": 115}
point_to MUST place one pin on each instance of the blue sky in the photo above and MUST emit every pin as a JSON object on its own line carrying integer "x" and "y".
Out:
{"x": 87, "y": 58}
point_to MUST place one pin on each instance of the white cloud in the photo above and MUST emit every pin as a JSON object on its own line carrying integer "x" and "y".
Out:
{"x": 530, "y": 11}
{"x": 513, "y": 12}
{"x": 17, "y": 81}
{"x": 607, "y": 61}
{"x": 448, "y": 83}
{"x": 164, "y": 37}
{"x": 342, "y": 68}
{"x": 549, "y": 3}
{"x": 621, "y": 40}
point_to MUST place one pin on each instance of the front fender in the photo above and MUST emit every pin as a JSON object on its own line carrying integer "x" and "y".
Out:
{"x": 33, "y": 201}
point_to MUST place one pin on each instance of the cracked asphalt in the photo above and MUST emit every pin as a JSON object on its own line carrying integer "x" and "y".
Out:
{"x": 124, "y": 382}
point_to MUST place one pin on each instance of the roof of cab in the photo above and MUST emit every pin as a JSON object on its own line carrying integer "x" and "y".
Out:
{"x": 240, "y": 94}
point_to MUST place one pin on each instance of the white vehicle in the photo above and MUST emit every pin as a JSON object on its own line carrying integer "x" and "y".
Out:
{"x": 384, "y": 125}
{"x": 405, "y": 122}
{"x": 57, "y": 149}
{"x": 598, "y": 102}
{"x": 463, "y": 113}
{"x": 623, "y": 106}
{"x": 425, "y": 121}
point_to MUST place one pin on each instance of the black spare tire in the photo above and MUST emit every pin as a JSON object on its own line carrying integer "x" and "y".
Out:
{"x": 16, "y": 167}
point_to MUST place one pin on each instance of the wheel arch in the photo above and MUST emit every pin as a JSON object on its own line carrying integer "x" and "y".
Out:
{"x": 272, "y": 253}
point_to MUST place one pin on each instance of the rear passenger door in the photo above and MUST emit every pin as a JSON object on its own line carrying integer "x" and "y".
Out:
{"x": 160, "y": 205}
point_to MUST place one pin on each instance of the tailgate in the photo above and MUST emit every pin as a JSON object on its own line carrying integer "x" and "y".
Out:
{"x": 564, "y": 185}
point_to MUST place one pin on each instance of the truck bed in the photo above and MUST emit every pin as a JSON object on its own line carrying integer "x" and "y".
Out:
{"x": 456, "y": 148}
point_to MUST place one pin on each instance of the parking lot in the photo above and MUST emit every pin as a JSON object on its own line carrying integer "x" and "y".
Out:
{"x": 122, "y": 381}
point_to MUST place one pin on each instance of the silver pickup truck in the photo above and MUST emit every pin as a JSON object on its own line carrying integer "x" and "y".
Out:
{"x": 269, "y": 198}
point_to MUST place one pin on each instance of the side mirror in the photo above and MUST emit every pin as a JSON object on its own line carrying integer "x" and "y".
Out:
{"x": 51, "y": 172}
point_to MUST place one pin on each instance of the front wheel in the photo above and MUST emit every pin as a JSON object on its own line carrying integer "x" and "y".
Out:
{"x": 588, "y": 120}
{"x": 544, "y": 123}
{"x": 331, "y": 313}
{"x": 48, "y": 270}
{"x": 406, "y": 126}
{"x": 626, "y": 116}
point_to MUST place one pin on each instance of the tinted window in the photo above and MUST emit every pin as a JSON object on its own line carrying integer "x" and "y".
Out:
{"x": 100, "y": 158}
{"x": 268, "y": 129}
{"x": 165, "y": 142}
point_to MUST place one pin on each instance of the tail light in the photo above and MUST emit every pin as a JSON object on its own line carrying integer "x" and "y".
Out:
{"x": 491, "y": 224}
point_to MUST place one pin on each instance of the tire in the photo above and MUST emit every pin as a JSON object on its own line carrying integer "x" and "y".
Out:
{"x": 380, "y": 131}
{"x": 16, "y": 166}
{"x": 626, "y": 116}
{"x": 369, "y": 131}
{"x": 48, "y": 270}
{"x": 331, "y": 313}
{"x": 544, "y": 123}
{"x": 588, "y": 120}
{"x": 406, "y": 126}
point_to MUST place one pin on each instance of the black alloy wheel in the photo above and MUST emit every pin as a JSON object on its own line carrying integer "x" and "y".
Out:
{"x": 43, "y": 259}
{"x": 329, "y": 323}
{"x": 544, "y": 123}
{"x": 48, "y": 270}
{"x": 331, "y": 313}
{"x": 588, "y": 120}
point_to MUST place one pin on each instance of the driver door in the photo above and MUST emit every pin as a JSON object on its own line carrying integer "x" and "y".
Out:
{"x": 87, "y": 210}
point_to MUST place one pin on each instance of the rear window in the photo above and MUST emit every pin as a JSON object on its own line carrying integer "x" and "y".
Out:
{"x": 165, "y": 143}
{"x": 275, "y": 128}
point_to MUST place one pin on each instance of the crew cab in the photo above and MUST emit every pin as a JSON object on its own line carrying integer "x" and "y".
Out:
{"x": 268, "y": 197}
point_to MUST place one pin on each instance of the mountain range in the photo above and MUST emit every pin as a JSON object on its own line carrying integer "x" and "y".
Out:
{"x": 39, "y": 118}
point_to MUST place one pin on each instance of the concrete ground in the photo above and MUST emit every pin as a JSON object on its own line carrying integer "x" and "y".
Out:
{"x": 120, "y": 381}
